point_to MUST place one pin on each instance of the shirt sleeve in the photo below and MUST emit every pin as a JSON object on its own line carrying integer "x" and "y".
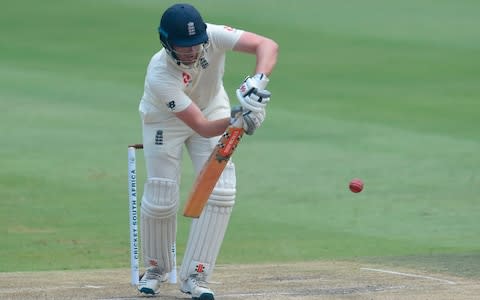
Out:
{"x": 222, "y": 36}
{"x": 168, "y": 93}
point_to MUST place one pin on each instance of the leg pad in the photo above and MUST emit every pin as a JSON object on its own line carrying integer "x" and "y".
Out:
{"x": 158, "y": 222}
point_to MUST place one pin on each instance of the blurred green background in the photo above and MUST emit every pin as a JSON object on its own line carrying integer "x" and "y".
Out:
{"x": 386, "y": 91}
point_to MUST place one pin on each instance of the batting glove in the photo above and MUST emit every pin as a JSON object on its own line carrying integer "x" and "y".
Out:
{"x": 252, "y": 93}
{"x": 251, "y": 120}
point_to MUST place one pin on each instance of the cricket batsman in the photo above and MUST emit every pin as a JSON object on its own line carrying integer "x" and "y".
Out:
{"x": 184, "y": 105}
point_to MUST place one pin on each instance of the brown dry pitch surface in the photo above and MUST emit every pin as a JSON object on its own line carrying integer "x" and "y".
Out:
{"x": 300, "y": 281}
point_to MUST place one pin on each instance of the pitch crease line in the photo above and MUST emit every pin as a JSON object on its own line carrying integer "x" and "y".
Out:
{"x": 409, "y": 275}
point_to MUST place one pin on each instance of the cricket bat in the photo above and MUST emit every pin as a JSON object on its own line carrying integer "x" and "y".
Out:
{"x": 213, "y": 168}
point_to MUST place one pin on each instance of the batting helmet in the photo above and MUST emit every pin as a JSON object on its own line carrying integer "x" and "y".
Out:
{"x": 182, "y": 25}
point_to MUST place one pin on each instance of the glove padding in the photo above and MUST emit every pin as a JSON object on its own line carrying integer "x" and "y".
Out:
{"x": 252, "y": 93}
{"x": 251, "y": 119}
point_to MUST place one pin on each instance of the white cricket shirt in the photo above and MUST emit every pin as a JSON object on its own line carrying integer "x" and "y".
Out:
{"x": 171, "y": 88}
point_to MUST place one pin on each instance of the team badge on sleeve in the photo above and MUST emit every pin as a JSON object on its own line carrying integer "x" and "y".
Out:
{"x": 171, "y": 105}
{"x": 228, "y": 28}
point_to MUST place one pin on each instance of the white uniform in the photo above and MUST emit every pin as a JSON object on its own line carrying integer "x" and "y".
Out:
{"x": 171, "y": 88}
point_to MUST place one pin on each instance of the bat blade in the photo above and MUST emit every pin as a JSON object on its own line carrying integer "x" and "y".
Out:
{"x": 211, "y": 171}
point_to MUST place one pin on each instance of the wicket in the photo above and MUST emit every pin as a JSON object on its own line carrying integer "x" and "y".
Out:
{"x": 132, "y": 197}
{"x": 133, "y": 213}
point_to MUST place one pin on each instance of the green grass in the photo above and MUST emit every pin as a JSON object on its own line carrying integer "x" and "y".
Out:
{"x": 387, "y": 92}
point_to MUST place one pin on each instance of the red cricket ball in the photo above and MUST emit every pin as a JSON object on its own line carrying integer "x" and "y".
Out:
{"x": 356, "y": 185}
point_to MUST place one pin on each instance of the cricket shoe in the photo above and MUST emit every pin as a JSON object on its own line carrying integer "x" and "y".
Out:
{"x": 196, "y": 288}
{"x": 149, "y": 284}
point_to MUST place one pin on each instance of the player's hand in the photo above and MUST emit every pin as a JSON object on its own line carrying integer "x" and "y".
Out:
{"x": 235, "y": 113}
{"x": 252, "y": 93}
{"x": 253, "y": 120}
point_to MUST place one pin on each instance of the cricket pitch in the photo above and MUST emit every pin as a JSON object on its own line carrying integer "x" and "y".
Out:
{"x": 300, "y": 281}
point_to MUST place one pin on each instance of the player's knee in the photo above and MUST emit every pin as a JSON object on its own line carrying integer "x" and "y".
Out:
{"x": 160, "y": 198}
{"x": 225, "y": 190}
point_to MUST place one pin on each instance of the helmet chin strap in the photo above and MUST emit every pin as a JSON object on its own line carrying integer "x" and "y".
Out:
{"x": 195, "y": 64}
